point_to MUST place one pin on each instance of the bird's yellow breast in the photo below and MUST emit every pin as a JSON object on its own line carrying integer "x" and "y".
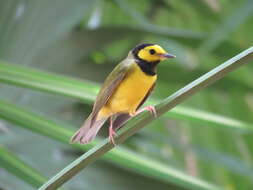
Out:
{"x": 130, "y": 92}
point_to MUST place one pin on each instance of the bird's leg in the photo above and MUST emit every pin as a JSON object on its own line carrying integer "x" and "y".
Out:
{"x": 151, "y": 109}
{"x": 112, "y": 133}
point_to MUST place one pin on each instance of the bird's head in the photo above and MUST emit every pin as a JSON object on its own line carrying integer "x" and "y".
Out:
{"x": 150, "y": 53}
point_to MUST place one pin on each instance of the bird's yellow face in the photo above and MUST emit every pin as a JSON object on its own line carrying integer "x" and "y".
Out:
{"x": 153, "y": 53}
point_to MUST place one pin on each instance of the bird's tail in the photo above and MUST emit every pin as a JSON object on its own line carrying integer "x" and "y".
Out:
{"x": 88, "y": 131}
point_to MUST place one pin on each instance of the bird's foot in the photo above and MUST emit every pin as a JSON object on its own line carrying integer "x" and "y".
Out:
{"x": 151, "y": 109}
{"x": 112, "y": 133}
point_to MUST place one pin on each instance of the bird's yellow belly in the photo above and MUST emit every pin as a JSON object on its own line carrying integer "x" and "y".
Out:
{"x": 129, "y": 93}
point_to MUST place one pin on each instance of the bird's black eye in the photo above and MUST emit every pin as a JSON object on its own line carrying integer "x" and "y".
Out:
{"x": 152, "y": 51}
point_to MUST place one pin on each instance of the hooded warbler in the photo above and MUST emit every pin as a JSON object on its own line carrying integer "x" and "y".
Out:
{"x": 124, "y": 91}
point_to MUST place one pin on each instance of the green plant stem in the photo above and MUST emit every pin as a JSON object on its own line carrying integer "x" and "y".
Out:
{"x": 143, "y": 119}
{"x": 120, "y": 155}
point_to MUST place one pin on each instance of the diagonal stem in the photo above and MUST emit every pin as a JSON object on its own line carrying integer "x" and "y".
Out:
{"x": 135, "y": 124}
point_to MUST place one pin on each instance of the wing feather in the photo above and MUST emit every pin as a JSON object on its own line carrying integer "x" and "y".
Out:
{"x": 109, "y": 86}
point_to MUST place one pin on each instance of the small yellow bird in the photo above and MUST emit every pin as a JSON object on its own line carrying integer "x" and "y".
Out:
{"x": 124, "y": 91}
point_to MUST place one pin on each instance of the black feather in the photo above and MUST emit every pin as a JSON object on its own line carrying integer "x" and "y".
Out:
{"x": 148, "y": 67}
{"x": 136, "y": 50}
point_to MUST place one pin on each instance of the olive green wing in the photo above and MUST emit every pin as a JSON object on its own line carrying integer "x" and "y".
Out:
{"x": 110, "y": 84}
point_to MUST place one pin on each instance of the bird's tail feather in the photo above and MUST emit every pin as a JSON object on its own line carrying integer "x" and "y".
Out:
{"x": 88, "y": 132}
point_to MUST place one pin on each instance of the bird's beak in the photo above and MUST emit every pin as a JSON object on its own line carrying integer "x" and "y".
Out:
{"x": 166, "y": 56}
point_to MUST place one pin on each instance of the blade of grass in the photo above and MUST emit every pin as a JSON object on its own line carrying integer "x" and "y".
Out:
{"x": 86, "y": 91}
{"x": 52, "y": 129}
{"x": 17, "y": 167}
{"x": 135, "y": 124}
{"x": 120, "y": 155}
{"x": 55, "y": 131}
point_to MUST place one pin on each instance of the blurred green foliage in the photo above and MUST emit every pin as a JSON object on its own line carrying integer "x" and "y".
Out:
{"x": 85, "y": 39}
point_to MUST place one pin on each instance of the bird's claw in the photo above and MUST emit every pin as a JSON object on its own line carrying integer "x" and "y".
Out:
{"x": 112, "y": 133}
{"x": 151, "y": 109}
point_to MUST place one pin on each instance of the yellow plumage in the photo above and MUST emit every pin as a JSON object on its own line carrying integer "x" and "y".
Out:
{"x": 129, "y": 93}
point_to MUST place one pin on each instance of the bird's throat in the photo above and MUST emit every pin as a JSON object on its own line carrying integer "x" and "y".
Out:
{"x": 148, "y": 68}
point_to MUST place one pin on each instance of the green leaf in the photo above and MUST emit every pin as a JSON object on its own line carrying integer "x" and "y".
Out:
{"x": 135, "y": 124}
{"x": 20, "y": 169}
{"x": 86, "y": 91}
